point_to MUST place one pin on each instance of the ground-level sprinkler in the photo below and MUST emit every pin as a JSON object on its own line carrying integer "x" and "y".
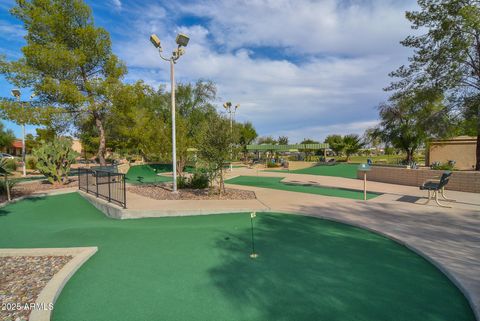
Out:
{"x": 253, "y": 255}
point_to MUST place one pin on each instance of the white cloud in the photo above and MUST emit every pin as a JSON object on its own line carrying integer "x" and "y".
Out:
{"x": 117, "y": 4}
{"x": 345, "y": 54}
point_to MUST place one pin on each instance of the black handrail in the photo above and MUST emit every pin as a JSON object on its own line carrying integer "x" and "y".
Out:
{"x": 103, "y": 184}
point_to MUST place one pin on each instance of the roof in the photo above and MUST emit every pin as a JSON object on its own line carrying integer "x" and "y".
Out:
{"x": 286, "y": 148}
{"x": 17, "y": 143}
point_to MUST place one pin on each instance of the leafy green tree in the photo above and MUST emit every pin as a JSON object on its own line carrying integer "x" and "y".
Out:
{"x": 54, "y": 160}
{"x": 352, "y": 144}
{"x": 336, "y": 144}
{"x": 67, "y": 61}
{"x": 446, "y": 56}
{"x": 268, "y": 140}
{"x": 282, "y": 140}
{"x": 194, "y": 103}
{"x": 214, "y": 147}
{"x": 408, "y": 121}
{"x": 6, "y": 136}
{"x": 308, "y": 152}
{"x": 246, "y": 136}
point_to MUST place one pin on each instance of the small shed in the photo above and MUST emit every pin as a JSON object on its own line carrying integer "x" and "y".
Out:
{"x": 461, "y": 149}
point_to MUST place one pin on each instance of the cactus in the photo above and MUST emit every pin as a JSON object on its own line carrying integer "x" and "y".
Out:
{"x": 54, "y": 160}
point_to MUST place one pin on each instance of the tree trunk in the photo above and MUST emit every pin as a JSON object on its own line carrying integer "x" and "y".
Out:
{"x": 101, "y": 145}
{"x": 7, "y": 187}
{"x": 409, "y": 156}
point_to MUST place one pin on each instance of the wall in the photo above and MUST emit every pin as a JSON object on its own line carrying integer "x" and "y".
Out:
{"x": 461, "y": 149}
{"x": 464, "y": 181}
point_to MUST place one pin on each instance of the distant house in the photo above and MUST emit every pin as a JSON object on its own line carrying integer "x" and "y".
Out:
{"x": 461, "y": 149}
{"x": 15, "y": 149}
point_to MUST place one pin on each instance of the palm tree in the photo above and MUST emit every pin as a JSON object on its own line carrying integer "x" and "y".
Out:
{"x": 352, "y": 144}
{"x": 5, "y": 171}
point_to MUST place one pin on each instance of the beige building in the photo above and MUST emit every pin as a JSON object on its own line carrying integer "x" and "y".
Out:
{"x": 461, "y": 149}
{"x": 77, "y": 146}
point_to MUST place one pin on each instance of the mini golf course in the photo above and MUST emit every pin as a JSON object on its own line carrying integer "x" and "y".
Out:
{"x": 198, "y": 267}
{"x": 148, "y": 174}
{"x": 276, "y": 183}
{"x": 337, "y": 170}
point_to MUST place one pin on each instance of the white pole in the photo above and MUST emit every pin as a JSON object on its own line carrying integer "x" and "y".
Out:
{"x": 174, "y": 147}
{"x": 23, "y": 151}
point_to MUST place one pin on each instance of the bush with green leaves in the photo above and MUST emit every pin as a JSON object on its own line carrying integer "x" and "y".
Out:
{"x": 31, "y": 162}
{"x": 199, "y": 180}
{"x": 54, "y": 160}
{"x": 10, "y": 164}
{"x": 5, "y": 171}
{"x": 3, "y": 185}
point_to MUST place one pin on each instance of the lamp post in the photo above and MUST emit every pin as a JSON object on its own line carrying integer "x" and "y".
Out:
{"x": 182, "y": 41}
{"x": 16, "y": 93}
{"x": 231, "y": 110}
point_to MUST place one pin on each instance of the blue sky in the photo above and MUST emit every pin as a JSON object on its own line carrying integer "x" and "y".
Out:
{"x": 300, "y": 68}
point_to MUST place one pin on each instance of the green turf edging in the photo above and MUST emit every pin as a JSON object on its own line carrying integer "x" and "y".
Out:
{"x": 276, "y": 183}
{"x": 173, "y": 268}
{"x": 337, "y": 170}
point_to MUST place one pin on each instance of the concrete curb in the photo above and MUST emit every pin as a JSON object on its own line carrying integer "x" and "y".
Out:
{"x": 41, "y": 194}
{"x": 54, "y": 287}
{"x": 117, "y": 212}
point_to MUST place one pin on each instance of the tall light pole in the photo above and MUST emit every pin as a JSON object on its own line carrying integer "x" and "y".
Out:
{"x": 182, "y": 41}
{"x": 231, "y": 110}
{"x": 17, "y": 94}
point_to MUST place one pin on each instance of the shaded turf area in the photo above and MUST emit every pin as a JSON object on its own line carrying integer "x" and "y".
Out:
{"x": 198, "y": 268}
{"x": 276, "y": 183}
{"x": 337, "y": 170}
{"x": 147, "y": 174}
{"x": 140, "y": 174}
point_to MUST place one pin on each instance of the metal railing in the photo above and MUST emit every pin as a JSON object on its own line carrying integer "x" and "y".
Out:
{"x": 105, "y": 184}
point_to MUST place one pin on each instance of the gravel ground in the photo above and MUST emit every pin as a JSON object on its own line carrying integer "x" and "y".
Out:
{"x": 22, "y": 278}
{"x": 28, "y": 188}
{"x": 160, "y": 192}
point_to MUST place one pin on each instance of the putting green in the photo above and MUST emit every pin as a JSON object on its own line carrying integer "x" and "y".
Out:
{"x": 276, "y": 183}
{"x": 337, "y": 170}
{"x": 147, "y": 174}
{"x": 198, "y": 268}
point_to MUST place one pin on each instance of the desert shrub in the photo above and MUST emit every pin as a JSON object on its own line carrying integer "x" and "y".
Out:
{"x": 55, "y": 159}
{"x": 183, "y": 182}
{"x": 31, "y": 162}
{"x": 3, "y": 185}
{"x": 444, "y": 167}
{"x": 199, "y": 180}
{"x": 10, "y": 164}
{"x": 271, "y": 164}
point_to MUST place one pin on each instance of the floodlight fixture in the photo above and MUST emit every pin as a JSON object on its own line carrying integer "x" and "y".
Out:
{"x": 182, "y": 40}
{"x": 155, "y": 40}
{"x": 227, "y": 105}
{"x": 16, "y": 93}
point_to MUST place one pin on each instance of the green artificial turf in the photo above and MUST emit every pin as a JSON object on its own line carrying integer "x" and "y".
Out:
{"x": 337, "y": 170}
{"x": 147, "y": 174}
{"x": 198, "y": 267}
{"x": 276, "y": 183}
